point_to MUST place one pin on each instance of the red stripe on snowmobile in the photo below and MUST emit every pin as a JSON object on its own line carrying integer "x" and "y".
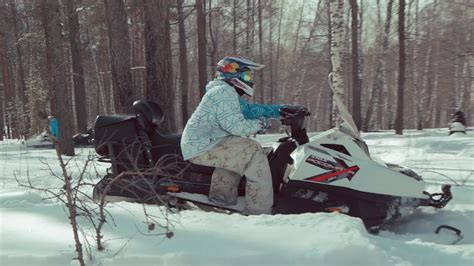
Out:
{"x": 324, "y": 177}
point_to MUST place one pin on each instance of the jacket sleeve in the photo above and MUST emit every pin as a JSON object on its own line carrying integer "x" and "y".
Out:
{"x": 229, "y": 116}
{"x": 256, "y": 111}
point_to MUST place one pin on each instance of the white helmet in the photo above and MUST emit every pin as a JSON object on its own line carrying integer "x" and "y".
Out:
{"x": 238, "y": 72}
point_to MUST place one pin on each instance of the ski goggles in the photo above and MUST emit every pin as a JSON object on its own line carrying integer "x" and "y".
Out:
{"x": 246, "y": 76}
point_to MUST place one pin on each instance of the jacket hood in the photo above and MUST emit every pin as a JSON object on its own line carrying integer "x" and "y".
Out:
{"x": 215, "y": 83}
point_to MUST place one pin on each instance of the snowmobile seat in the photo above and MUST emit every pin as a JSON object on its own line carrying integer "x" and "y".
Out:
{"x": 150, "y": 116}
{"x": 114, "y": 129}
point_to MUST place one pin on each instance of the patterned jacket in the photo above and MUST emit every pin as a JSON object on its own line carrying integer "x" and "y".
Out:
{"x": 221, "y": 113}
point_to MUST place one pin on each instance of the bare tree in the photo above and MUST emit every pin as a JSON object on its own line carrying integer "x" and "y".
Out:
{"x": 416, "y": 88}
{"x": 61, "y": 100}
{"x": 158, "y": 58}
{"x": 277, "y": 55}
{"x": 201, "y": 40}
{"x": 270, "y": 53}
{"x": 260, "y": 50}
{"x": 425, "y": 99}
{"x": 401, "y": 68}
{"x": 379, "y": 84}
{"x": 20, "y": 71}
{"x": 7, "y": 91}
{"x": 77, "y": 69}
{"x": 234, "y": 26}
{"x": 119, "y": 41}
{"x": 183, "y": 61}
{"x": 2, "y": 115}
{"x": 356, "y": 79}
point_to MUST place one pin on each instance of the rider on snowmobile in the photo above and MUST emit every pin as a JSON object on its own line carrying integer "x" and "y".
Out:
{"x": 459, "y": 117}
{"x": 217, "y": 133}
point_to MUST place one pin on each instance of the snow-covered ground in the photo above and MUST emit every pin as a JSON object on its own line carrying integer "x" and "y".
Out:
{"x": 36, "y": 231}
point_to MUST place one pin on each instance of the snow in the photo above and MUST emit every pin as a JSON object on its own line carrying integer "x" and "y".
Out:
{"x": 36, "y": 231}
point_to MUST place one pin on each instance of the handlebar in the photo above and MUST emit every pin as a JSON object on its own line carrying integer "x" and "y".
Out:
{"x": 294, "y": 117}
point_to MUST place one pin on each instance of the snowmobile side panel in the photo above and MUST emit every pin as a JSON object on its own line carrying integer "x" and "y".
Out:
{"x": 318, "y": 161}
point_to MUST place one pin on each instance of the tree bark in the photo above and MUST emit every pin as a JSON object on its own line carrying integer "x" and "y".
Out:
{"x": 183, "y": 62}
{"x": 329, "y": 110}
{"x": 234, "y": 26}
{"x": 77, "y": 69}
{"x": 158, "y": 59}
{"x": 56, "y": 65}
{"x": 213, "y": 51}
{"x": 260, "y": 52}
{"x": 356, "y": 80}
{"x": 416, "y": 87}
{"x": 21, "y": 79}
{"x": 337, "y": 30}
{"x": 22, "y": 120}
{"x": 119, "y": 42}
{"x": 201, "y": 36}
{"x": 401, "y": 68}
{"x": 2, "y": 110}
{"x": 8, "y": 92}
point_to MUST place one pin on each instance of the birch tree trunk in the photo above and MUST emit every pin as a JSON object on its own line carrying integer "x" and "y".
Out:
{"x": 337, "y": 32}
{"x": 119, "y": 41}
{"x": 328, "y": 111}
{"x": 401, "y": 68}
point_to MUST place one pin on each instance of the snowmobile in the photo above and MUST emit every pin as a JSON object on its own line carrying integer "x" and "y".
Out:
{"x": 330, "y": 172}
{"x": 457, "y": 123}
{"x": 79, "y": 140}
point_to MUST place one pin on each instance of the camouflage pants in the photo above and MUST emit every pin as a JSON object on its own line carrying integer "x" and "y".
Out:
{"x": 234, "y": 157}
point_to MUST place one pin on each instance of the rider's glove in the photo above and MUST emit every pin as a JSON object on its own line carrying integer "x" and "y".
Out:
{"x": 264, "y": 125}
{"x": 290, "y": 109}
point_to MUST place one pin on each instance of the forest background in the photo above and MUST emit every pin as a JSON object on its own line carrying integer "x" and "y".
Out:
{"x": 76, "y": 59}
